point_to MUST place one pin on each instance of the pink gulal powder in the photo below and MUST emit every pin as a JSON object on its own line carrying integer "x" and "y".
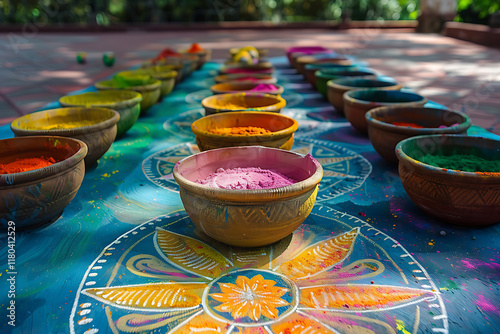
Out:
{"x": 246, "y": 178}
{"x": 264, "y": 88}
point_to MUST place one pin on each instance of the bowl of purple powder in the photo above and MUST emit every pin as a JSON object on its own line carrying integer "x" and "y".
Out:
{"x": 248, "y": 196}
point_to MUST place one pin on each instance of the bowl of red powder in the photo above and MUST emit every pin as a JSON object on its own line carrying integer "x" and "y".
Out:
{"x": 39, "y": 176}
{"x": 96, "y": 127}
{"x": 242, "y": 101}
{"x": 387, "y": 126}
{"x": 244, "y": 128}
{"x": 237, "y": 86}
{"x": 248, "y": 196}
{"x": 455, "y": 178}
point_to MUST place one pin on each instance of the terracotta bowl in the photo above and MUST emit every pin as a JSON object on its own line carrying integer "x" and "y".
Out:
{"x": 248, "y": 218}
{"x": 302, "y": 61}
{"x": 125, "y": 102}
{"x": 97, "y": 127}
{"x": 237, "y": 86}
{"x": 202, "y": 56}
{"x": 310, "y": 69}
{"x": 242, "y": 101}
{"x": 246, "y": 69}
{"x": 457, "y": 197}
{"x": 178, "y": 67}
{"x": 358, "y": 102}
{"x": 38, "y": 197}
{"x": 150, "y": 88}
{"x": 164, "y": 74}
{"x": 247, "y": 77}
{"x": 384, "y": 135}
{"x": 282, "y": 130}
{"x": 297, "y": 51}
{"x": 337, "y": 88}
{"x": 325, "y": 75}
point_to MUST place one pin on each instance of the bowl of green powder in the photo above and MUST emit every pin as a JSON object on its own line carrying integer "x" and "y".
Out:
{"x": 455, "y": 178}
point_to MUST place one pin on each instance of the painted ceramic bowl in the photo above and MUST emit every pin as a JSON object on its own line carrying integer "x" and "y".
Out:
{"x": 210, "y": 135}
{"x": 237, "y": 86}
{"x": 452, "y": 194}
{"x": 96, "y": 127}
{"x": 147, "y": 86}
{"x": 297, "y": 51}
{"x": 246, "y": 69}
{"x": 248, "y": 218}
{"x": 337, "y": 88}
{"x": 125, "y": 102}
{"x": 247, "y": 78}
{"x": 164, "y": 74}
{"x": 310, "y": 69}
{"x": 325, "y": 75}
{"x": 358, "y": 102}
{"x": 242, "y": 101}
{"x": 387, "y": 126}
{"x": 38, "y": 197}
{"x": 302, "y": 61}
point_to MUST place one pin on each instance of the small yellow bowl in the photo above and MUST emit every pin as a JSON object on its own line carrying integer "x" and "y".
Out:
{"x": 125, "y": 102}
{"x": 147, "y": 86}
{"x": 165, "y": 74}
{"x": 164, "y": 67}
{"x": 242, "y": 101}
{"x": 281, "y": 136}
{"x": 96, "y": 127}
{"x": 237, "y": 87}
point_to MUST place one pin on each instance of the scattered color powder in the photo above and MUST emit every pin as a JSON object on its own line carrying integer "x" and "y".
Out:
{"x": 408, "y": 124}
{"x": 25, "y": 164}
{"x": 195, "y": 47}
{"x": 246, "y": 178}
{"x": 462, "y": 162}
{"x": 65, "y": 125}
{"x": 264, "y": 88}
{"x": 240, "y": 130}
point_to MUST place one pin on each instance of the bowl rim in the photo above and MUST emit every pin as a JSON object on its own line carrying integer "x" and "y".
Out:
{"x": 134, "y": 98}
{"x": 151, "y": 86}
{"x": 280, "y": 89}
{"x": 235, "y": 76}
{"x": 351, "y": 100}
{"x": 273, "y": 135}
{"x": 456, "y": 129}
{"x": 160, "y": 75}
{"x": 484, "y": 177}
{"x": 279, "y": 104}
{"x": 318, "y": 66}
{"x": 251, "y": 195}
{"x": 332, "y": 73}
{"x": 340, "y": 83}
{"x": 104, "y": 124}
{"x": 38, "y": 175}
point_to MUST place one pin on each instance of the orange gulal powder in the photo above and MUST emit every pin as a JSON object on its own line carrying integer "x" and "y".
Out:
{"x": 240, "y": 130}
{"x": 25, "y": 164}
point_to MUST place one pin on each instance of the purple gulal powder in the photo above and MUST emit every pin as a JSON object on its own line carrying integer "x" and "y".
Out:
{"x": 246, "y": 178}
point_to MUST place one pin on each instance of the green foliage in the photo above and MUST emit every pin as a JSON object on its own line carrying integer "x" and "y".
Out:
{"x": 476, "y": 11}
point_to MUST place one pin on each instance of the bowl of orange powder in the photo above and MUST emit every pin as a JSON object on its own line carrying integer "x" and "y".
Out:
{"x": 242, "y": 101}
{"x": 244, "y": 128}
{"x": 202, "y": 54}
{"x": 39, "y": 177}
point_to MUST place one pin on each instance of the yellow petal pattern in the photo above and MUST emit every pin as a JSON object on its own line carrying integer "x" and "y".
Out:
{"x": 202, "y": 324}
{"x": 191, "y": 255}
{"x": 320, "y": 256}
{"x": 152, "y": 296}
{"x": 297, "y": 323}
{"x": 358, "y": 297}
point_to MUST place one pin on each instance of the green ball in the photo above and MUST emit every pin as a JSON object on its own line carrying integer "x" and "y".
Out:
{"x": 108, "y": 59}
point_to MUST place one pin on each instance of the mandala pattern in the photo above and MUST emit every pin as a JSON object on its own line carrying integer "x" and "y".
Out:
{"x": 343, "y": 169}
{"x": 334, "y": 274}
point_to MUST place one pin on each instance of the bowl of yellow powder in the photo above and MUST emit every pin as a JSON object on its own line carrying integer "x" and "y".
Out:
{"x": 96, "y": 127}
{"x": 244, "y": 128}
{"x": 242, "y": 101}
{"x": 39, "y": 177}
{"x": 455, "y": 178}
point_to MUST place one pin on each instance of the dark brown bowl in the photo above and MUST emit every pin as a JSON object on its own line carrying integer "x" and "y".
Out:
{"x": 458, "y": 197}
{"x": 384, "y": 135}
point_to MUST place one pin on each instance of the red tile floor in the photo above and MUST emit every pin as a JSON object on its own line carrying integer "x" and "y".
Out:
{"x": 37, "y": 68}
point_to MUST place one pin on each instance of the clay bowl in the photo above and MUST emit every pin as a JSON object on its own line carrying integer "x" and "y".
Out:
{"x": 302, "y": 61}
{"x": 297, "y": 51}
{"x": 164, "y": 74}
{"x": 358, "y": 102}
{"x": 125, "y": 102}
{"x": 236, "y": 87}
{"x": 148, "y": 87}
{"x": 455, "y": 196}
{"x": 282, "y": 130}
{"x": 325, "y": 75}
{"x": 178, "y": 67}
{"x": 248, "y": 218}
{"x": 384, "y": 135}
{"x": 247, "y": 77}
{"x": 202, "y": 56}
{"x": 337, "y": 88}
{"x": 246, "y": 69}
{"x": 310, "y": 69}
{"x": 236, "y": 64}
{"x": 96, "y": 127}
{"x": 38, "y": 197}
{"x": 242, "y": 101}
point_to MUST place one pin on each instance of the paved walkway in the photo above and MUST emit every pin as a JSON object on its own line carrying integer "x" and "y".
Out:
{"x": 39, "y": 68}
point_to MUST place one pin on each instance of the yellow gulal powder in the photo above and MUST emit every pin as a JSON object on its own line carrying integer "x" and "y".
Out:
{"x": 65, "y": 125}
{"x": 240, "y": 130}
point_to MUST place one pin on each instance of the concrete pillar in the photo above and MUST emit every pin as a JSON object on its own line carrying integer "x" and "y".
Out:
{"x": 434, "y": 13}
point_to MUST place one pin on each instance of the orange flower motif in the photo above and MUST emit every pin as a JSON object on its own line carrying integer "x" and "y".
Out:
{"x": 250, "y": 297}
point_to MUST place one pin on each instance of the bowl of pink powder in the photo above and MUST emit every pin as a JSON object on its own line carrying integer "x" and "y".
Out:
{"x": 39, "y": 177}
{"x": 242, "y": 101}
{"x": 244, "y": 128}
{"x": 237, "y": 87}
{"x": 248, "y": 196}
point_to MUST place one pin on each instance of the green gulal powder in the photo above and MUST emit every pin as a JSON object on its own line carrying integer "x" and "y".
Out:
{"x": 462, "y": 162}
